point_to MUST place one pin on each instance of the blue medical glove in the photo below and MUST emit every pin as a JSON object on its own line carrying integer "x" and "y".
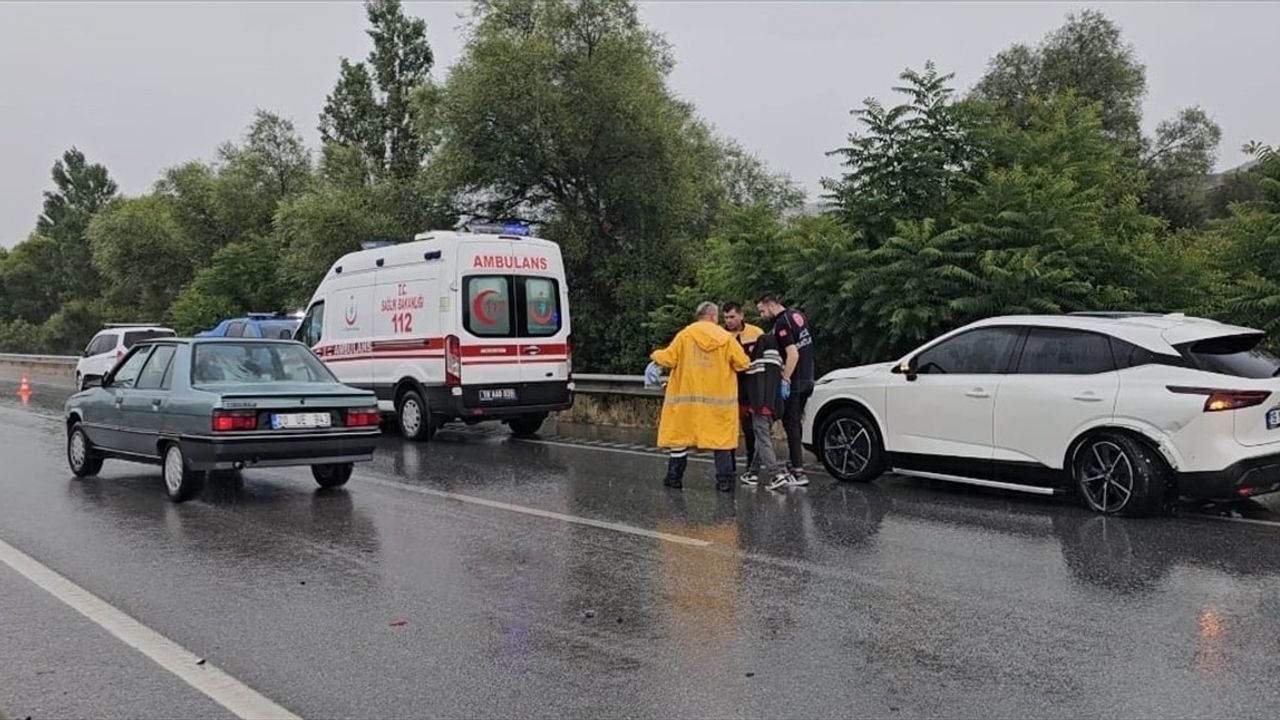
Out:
{"x": 786, "y": 390}
{"x": 653, "y": 375}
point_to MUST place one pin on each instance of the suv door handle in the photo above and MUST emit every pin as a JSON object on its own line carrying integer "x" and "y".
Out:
{"x": 978, "y": 393}
{"x": 1087, "y": 397}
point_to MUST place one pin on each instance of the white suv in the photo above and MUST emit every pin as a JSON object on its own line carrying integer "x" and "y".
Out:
{"x": 1126, "y": 410}
{"x": 108, "y": 346}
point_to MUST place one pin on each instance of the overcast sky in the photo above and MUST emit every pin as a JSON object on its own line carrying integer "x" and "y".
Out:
{"x": 143, "y": 86}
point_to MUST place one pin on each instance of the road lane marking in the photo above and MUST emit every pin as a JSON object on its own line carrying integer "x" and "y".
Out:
{"x": 535, "y": 512}
{"x": 235, "y": 696}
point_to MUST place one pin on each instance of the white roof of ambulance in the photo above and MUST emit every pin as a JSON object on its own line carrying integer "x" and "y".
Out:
{"x": 411, "y": 252}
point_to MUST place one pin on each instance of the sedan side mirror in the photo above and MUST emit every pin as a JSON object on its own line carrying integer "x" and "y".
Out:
{"x": 91, "y": 382}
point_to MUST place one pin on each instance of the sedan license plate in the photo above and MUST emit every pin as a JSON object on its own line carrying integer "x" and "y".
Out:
{"x": 1273, "y": 418}
{"x": 498, "y": 395}
{"x": 299, "y": 421}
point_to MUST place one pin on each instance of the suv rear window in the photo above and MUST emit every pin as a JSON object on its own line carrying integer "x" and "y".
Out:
{"x": 1237, "y": 355}
{"x": 133, "y": 337}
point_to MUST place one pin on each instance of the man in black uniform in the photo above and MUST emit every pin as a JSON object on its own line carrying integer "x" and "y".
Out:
{"x": 796, "y": 341}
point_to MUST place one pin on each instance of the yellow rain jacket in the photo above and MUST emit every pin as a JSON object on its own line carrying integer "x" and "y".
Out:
{"x": 701, "y": 405}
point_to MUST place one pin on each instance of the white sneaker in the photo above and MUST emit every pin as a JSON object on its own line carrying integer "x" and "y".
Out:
{"x": 799, "y": 478}
{"x": 780, "y": 481}
{"x": 750, "y": 479}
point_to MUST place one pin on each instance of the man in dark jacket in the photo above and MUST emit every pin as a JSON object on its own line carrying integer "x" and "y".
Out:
{"x": 764, "y": 387}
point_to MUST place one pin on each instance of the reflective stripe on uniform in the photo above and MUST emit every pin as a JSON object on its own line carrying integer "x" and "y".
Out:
{"x": 700, "y": 400}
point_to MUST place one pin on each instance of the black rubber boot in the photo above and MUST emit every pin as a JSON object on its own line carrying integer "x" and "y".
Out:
{"x": 676, "y": 466}
{"x": 724, "y": 484}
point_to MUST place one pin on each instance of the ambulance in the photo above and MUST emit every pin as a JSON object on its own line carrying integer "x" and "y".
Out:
{"x": 465, "y": 326}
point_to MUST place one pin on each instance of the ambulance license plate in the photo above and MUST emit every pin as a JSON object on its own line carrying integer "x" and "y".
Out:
{"x": 498, "y": 395}
{"x": 299, "y": 421}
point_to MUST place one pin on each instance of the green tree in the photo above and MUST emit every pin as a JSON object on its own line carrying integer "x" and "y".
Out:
{"x": 237, "y": 196}
{"x": 140, "y": 249}
{"x": 81, "y": 189}
{"x": 240, "y": 278}
{"x": 31, "y": 280}
{"x": 1086, "y": 56}
{"x": 371, "y": 106}
{"x": 912, "y": 161}
{"x": 1252, "y": 260}
{"x": 317, "y": 228}
{"x": 559, "y": 112}
{"x": 1178, "y": 161}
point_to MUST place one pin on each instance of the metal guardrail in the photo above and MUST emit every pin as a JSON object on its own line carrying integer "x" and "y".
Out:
{"x": 632, "y": 385}
{"x": 628, "y": 385}
{"x": 58, "y": 360}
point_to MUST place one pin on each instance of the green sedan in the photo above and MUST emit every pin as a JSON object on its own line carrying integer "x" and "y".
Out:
{"x": 196, "y": 405}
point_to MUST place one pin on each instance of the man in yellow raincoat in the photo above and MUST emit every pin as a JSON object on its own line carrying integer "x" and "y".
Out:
{"x": 700, "y": 409}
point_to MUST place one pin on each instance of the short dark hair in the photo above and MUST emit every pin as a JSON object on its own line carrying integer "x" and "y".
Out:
{"x": 766, "y": 297}
{"x": 731, "y": 306}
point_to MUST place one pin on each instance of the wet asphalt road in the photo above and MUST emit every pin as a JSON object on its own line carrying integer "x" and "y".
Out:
{"x": 458, "y": 579}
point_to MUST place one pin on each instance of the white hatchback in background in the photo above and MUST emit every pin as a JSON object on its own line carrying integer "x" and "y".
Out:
{"x": 1127, "y": 410}
{"x": 108, "y": 346}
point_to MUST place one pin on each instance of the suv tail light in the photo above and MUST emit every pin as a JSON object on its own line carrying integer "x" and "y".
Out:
{"x": 452, "y": 361}
{"x": 232, "y": 420}
{"x": 364, "y": 417}
{"x": 1217, "y": 400}
{"x": 119, "y": 354}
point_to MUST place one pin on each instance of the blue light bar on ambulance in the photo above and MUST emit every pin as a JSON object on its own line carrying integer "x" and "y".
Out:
{"x": 371, "y": 244}
{"x": 499, "y": 229}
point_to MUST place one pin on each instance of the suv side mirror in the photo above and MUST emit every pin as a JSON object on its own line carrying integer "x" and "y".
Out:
{"x": 907, "y": 368}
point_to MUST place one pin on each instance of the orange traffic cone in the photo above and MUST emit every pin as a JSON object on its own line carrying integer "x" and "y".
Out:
{"x": 24, "y": 390}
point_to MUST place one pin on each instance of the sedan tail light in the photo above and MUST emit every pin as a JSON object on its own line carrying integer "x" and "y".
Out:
{"x": 1217, "y": 400}
{"x": 364, "y": 417}
{"x": 232, "y": 420}
{"x": 452, "y": 361}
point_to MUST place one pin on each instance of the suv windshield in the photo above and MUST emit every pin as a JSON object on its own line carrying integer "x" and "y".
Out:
{"x": 132, "y": 337}
{"x": 256, "y": 363}
{"x": 1237, "y": 355}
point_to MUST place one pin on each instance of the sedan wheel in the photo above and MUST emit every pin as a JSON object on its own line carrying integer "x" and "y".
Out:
{"x": 180, "y": 481}
{"x": 80, "y": 455}
{"x": 1116, "y": 475}
{"x": 332, "y": 476}
{"x": 850, "y": 448}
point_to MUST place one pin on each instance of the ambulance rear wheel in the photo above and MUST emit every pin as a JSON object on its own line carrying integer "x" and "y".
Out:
{"x": 411, "y": 413}
{"x": 526, "y": 425}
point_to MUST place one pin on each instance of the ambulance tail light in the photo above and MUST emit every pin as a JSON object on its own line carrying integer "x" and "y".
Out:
{"x": 568, "y": 356}
{"x": 452, "y": 361}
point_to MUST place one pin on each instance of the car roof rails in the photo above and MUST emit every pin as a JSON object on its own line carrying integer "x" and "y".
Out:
{"x": 130, "y": 325}
{"x": 1114, "y": 314}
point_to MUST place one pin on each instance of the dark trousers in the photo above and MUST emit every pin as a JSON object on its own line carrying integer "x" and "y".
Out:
{"x": 678, "y": 462}
{"x": 792, "y": 419}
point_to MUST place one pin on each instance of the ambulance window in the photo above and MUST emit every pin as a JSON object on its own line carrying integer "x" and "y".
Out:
{"x": 541, "y": 313}
{"x": 311, "y": 329}
{"x": 487, "y": 311}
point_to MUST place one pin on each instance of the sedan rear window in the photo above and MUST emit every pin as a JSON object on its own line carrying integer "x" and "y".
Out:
{"x": 256, "y": 363}
{"x": 1236, "y": 355}
{"x": 133, "y": 337}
